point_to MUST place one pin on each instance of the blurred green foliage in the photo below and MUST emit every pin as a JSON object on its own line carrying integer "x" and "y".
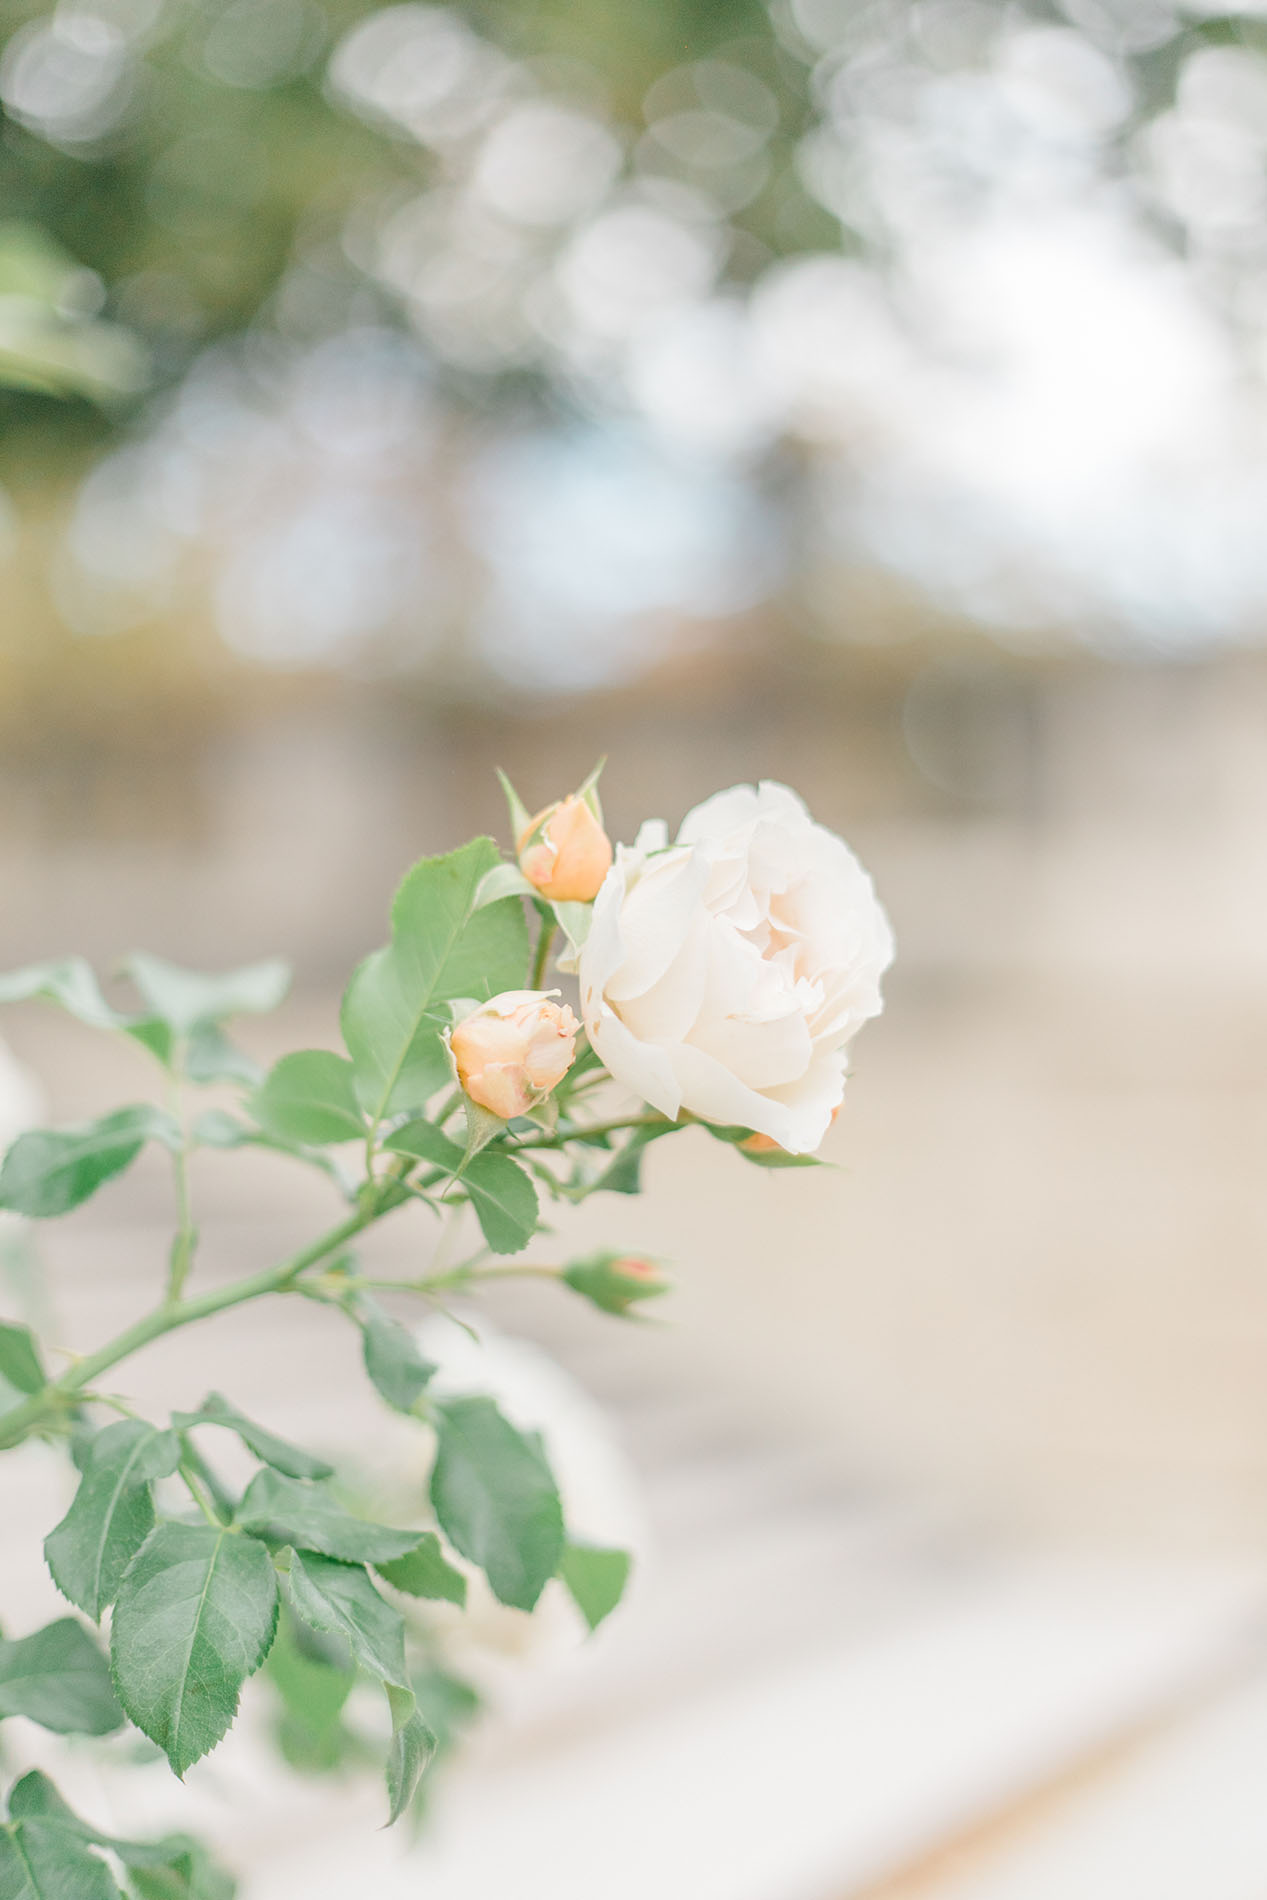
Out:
{"x": 221, "y": 152}
{"x": 187, "y": 211}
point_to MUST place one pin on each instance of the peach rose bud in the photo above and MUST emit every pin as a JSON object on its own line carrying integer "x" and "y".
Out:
{"x": 565, "y": 852}
{"x": 510, "y": 1052}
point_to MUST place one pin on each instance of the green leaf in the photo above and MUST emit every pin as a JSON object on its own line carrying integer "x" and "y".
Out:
{"x": 504, "y": 1200}
{"x": 413, "y": 1746}
{"x": 68, "y": 981}
{"x": 59, "y": 1678}
{"x": 112, "y": 1512}
{"x": 496, "y": 1499}
{"x": 623, "y": 1173}
{"x": 574, "y": 921}
{"x": 20, "y": 1358}
{"x": 442, "y": 947}
{"x": 313, "y": 1677}
{"x": 195, "y": 1617}
{"x": 35, "y": 1798}
{"x": 216, "y": 1128}
{"x": 173, "y": 1868}
{"x": 211, "y": 1057}
{"x": 186, "y": 1873}
{"x": 446, "y": 1703}
{"x": 42, "y": 1860}
{"x": 340, "y": 1599}
{"x": 310, "y": 1097}
{"x": 289, "y": 1512}
{"x": 50, "y": 1171}
{"x": 503, "y": 1197}
{"x": 185, "y": 999}
{"x": 425, "y": 1142}
{"x": 425, "y": 1571}
{"x": 396, "y": 1368}
{"x": 596, "y": 1579}
{"x": 271, "y": 1450}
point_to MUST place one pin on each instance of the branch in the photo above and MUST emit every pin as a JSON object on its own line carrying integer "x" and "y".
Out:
{"x": 44, "y": 1405}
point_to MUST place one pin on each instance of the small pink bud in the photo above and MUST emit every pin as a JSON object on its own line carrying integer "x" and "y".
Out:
{"x": 616, "y": 1283}
{"x": 512, "y": 1051}
{"x": 646, "y": 1272}
{"x": 565, "y": 852}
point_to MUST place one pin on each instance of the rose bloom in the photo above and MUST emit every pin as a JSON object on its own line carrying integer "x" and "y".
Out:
{"x": 565, "y": 852}
{"x": 510, "y": 1052}
{"x": 727, "y": 973}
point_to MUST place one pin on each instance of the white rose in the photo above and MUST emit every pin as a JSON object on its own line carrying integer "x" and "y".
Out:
{"x": 727, "y": 973}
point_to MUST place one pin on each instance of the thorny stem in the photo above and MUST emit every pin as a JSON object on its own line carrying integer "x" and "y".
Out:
{"x": 195, "y": 1490}
{"x": 587, "y": 1131}
{"x": 466, "y": 1275}
{"x": 378, "y": 1197}
{"x": 44, "y": 1406}
{"x": 542, "y": 957}
{"x": 186, "y": 1240}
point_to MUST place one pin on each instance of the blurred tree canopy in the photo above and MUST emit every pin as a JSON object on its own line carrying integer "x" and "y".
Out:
{"x": 163, "y": 162}
{"x": 505, "y": 341}
{"x": 175, "y": 151}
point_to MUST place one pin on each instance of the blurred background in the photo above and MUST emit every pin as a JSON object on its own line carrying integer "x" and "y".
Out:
{"x": 868, "y": 394}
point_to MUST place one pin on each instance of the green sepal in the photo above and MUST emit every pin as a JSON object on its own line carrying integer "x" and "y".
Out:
{"x": 520, "y": 816}
{"x": 504, "y": 880}
{"x": 588, "y": 789}
{"x": 574, "y": 921}
{"x": 482, "y": 1126}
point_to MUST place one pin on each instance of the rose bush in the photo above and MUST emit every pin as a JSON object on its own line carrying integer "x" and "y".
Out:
{"x": 722, "y": 978}
{"x": 727, "y": 973}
